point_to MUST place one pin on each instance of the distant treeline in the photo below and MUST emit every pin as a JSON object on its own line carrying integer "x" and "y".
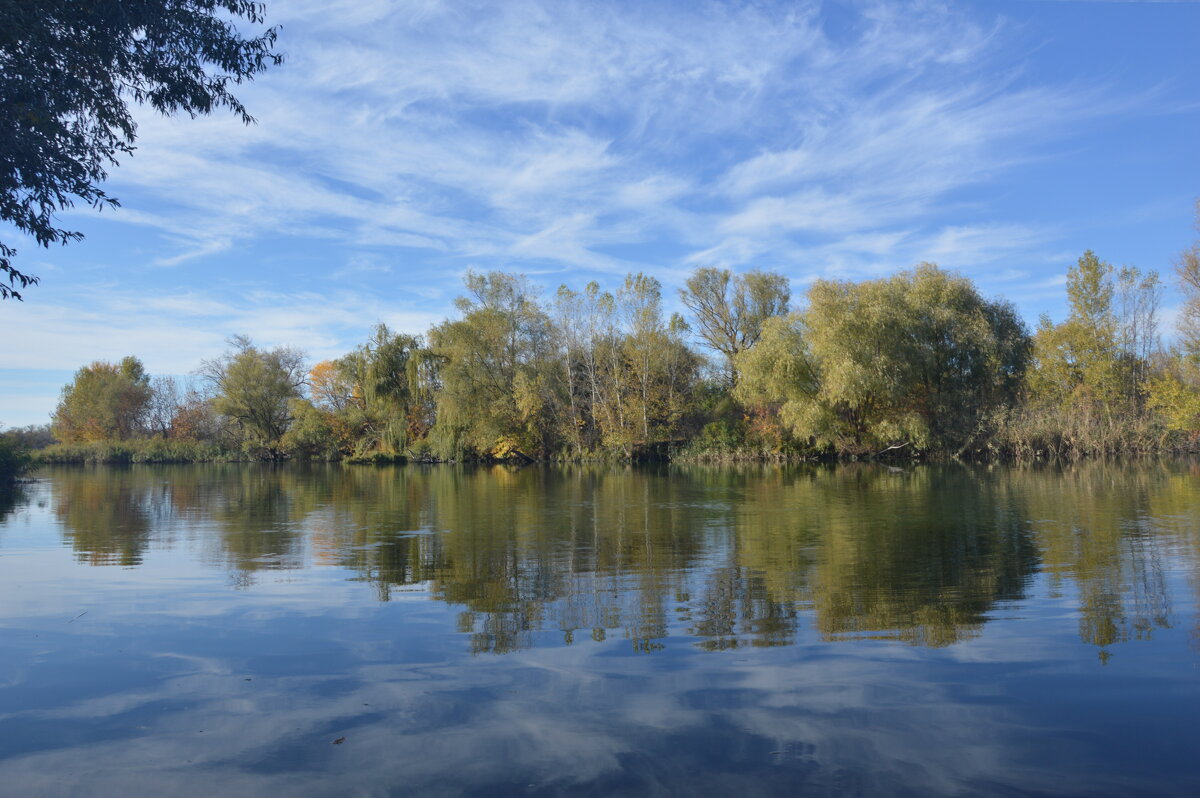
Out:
{"x": 916, "y": 364}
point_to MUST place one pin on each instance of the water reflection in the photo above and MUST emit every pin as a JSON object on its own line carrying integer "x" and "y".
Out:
{"x": 690, "y": 631}
{"x": 11, "y": 496}
{"x": 721, "y": 557}
{"x": 109, "y": 514}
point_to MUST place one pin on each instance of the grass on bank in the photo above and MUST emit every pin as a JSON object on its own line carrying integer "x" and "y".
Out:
{"x": 148, "y": 450}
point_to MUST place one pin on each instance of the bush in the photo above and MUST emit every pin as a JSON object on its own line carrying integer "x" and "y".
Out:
{"x": 167, "y": 450}
{"x": 13, "y": 460}
{"x": 377, "y": 458}
{"x": 79, "y": 453}
{"x": 1030, "y": 432}
{"x": 146, "y": 450}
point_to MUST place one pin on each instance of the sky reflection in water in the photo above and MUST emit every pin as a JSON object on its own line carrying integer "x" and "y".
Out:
{"x": 682, "y": 630}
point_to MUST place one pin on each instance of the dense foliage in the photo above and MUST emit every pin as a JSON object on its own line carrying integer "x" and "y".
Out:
{"x": 919, "y": 359}
{"x": 105, "y": 401}
{"x": 915, "y": 364}
{"x": 69, "y": 71}
{"x": 14, "y": 459}
{"x": 255, "y": 390}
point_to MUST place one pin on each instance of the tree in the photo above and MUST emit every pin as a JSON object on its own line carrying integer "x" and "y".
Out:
{"x": 196, "y": 420}
{"x": 14, "y": 459}
{"x": 573, "y": 336}
{"x": 661, "y": 371}
{"x": 1175, "y": 393}
{"x": 919, "y": 358}
{"x": 495, "y": 366}
{"x": 32, "y": 436}
{"x": 381, "y": 397}
{"x": 730, "y": 311}
{"x": 68, "y": 72}
{"x": 1098, "y": 358}
{"x": 254, "y": 388}
{"x": 331, "y": 388}
{"x": 165, "y": 400}
{"x": 310, "y": 435}
{"x": 1138, "y": 298}
{"x": 105, "y": 401}
{"x": 1187, "y": 269}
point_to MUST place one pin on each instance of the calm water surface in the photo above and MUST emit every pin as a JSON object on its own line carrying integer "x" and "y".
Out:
{"x": 215, "y": 630}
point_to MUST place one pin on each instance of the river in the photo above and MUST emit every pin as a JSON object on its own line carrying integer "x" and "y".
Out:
{"x": 600, "y": 630}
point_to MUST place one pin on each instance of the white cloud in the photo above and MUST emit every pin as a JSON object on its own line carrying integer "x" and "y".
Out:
{"x": 172, "y": 333}
{"x": 472, "y": 130}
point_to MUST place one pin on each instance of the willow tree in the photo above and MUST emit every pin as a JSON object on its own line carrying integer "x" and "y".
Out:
{"x": 383, "y": 404}
{"x": 254, "y": 389}
{"x": 495, "y": 397}
{"x": 920, "y": 359}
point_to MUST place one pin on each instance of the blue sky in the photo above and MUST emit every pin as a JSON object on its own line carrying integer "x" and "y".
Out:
{"x": 403, "y": 143}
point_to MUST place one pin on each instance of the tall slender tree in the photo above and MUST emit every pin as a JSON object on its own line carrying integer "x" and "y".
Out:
{"x": 730, "y": 311}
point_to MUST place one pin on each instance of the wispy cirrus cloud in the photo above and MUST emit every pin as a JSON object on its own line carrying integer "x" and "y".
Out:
{"x": 528, "y": 132}
{"x": 174, "y": 332}
{"x": 403, "y": 143}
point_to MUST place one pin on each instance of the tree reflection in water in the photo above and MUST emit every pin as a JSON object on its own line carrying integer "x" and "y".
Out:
{"x": 722, "y": 556}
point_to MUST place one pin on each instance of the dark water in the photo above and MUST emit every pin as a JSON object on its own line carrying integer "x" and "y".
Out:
{"x": 686, "y": 631}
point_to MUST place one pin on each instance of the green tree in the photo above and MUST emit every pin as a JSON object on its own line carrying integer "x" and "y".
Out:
{"x": 1187, "y": 270}
{"x": 780, "y": 371}
{"x": 386, "y": 405}
{"x": 1175, "y": 392}
{"x": 311, "y": 435}
{"x": 1076, "y": 361}
{"x": 920, "y": 358}
{"x": 105, "y": 401}
{"x": 730, "y": 311}
{"x": 1096, "y": 362}
{"x": 32, "y": 436}
{"x": 494, "y": 370}
{"x": 68, "y": 73}
{"x": 661, "y": 370}
{"x": 253, "y": 388}
{"x": 14, "y": 459}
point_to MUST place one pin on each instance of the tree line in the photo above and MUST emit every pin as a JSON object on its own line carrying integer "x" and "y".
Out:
{"x": 916, "y": 364}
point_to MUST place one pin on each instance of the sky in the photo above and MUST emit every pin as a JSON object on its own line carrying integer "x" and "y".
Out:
{"x": 402, "y": 144}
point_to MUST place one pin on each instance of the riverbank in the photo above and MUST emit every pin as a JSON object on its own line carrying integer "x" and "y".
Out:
{"x": 1029, "y": 442}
